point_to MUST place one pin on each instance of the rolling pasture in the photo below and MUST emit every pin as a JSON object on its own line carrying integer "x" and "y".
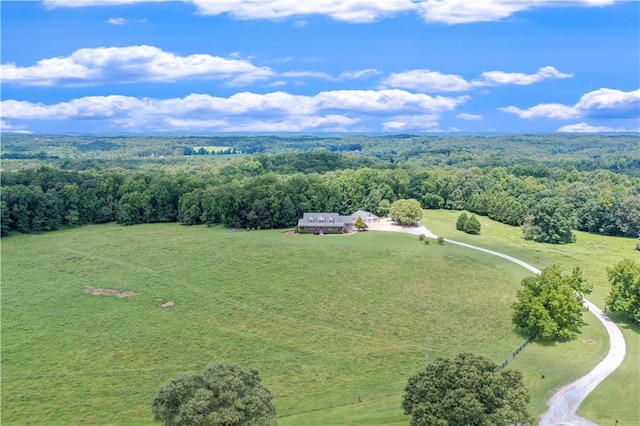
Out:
{"x": 323, "y": 318}
{"x": 328, "y": 321}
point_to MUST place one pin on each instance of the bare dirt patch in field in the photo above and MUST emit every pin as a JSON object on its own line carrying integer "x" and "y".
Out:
{"x": 110, "y": 292}
{"x": 590, "y": 341}
{"x": 167, "y": 304}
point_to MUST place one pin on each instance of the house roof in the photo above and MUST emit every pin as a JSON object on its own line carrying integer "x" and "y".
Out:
{"x": 324, "y": 219}
{"x": 363, "y": 214}
{"x": 313, "y": 219}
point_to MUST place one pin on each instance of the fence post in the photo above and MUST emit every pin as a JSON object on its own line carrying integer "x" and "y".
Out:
{"x": 516, "y": 352}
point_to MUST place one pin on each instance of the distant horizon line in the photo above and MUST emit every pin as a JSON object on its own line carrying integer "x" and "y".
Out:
{"x": 311, "y": 134}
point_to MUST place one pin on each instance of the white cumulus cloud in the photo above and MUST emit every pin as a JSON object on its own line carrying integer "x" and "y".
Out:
{"x": 358, "y": 11}
{"x": 117, "y": 21}
{"x": 434, "y": 81}
{"x": 403, "y": 123}
{"x": 500, "y": 77}
{"x": 6, "y": 127}
{"x": 131, "y": 64}
{"x": 124, "y": 21}
{"x": 471, "y": 117}
{"x": 307, "y": 74}
{"x": 603, "y": 102}
{"x": 359, "y": 74}
{"x": 551, "y": 111}
{"x": 276, "y": 111}
{"x": 610, "y": 101}
{"x": 584, "y": 128}
{"x": 466, "y": 11}
{"x": 427, "y": 81}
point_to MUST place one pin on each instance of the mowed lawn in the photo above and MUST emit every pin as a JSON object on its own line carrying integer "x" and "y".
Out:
{"x": 326, "y": 320}
{"x": 618, "y": 397}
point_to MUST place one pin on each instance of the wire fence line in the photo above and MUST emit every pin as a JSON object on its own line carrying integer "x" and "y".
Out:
{"x": 516, "y": 352}
{"x": 359, "y": 397}
{"x": 352, "y": 399}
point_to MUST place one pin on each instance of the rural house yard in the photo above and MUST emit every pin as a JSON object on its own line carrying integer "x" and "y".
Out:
{"x": 326, "y": 320}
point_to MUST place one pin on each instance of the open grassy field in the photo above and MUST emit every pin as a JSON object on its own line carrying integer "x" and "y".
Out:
{"x": 618, "y": 397}
{"x": 327, "y": 320}
{"x": 323, "y": 318}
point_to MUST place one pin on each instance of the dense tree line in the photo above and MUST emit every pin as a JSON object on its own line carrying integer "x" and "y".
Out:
{"x": 272, "y": 191}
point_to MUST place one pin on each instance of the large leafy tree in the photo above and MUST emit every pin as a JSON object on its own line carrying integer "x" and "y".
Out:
{"x": 225, "y": 394}
{"x": 466, "y": 390}
{"x": 406, "y": 212}
{"x": 624, "y": 295}
{"x": 551, "y": 221}
{"x": 549, "y": 305}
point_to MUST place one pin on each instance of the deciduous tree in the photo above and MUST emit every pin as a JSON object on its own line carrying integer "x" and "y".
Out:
{"x": 225, "y": 394}
{"x": 551, "y": 221}
{"x": 406, "y": 212}
{"x": 466, "y": 390}
{"x": 624, "y": 295}
{"x": 384, "y": 207}
{"x": 549, "y": 305}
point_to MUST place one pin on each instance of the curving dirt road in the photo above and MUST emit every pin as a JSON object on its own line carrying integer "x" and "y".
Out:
{"x": 563, "y": 405}
{"x": 565, "y": 402}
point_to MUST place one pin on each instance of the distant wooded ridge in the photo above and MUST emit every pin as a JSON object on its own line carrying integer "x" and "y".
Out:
{"x": 588, "y": 182}
{"x": 618, "y": 153}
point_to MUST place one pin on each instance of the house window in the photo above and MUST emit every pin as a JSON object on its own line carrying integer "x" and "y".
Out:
{"x": 310, "y": 220}
{"x": 330, "y": 220}
{"x": 321, "y": 220}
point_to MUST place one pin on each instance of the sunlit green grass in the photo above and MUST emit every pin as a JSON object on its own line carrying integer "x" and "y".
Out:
{"x": 327, "y": 320}
{"x": 619, "y": 395}
{"x": 324, "y": 319}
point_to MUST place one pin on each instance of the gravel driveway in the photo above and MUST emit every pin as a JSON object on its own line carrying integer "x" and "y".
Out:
{"x": 564, "y": 404}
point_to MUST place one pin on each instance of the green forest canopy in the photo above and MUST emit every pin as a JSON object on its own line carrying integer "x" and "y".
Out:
{"x": 68, "y": 181}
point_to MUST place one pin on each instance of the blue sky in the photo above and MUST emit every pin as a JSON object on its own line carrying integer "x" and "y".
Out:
{"x": 276, "y": 66}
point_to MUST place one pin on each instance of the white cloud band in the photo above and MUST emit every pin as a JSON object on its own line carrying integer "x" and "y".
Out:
{"x": 602, "y": 102}
{"x": 433, "y": 81}
{"x": 131, "y": 64}
{"x": 330, "y": 110}
{"x": 358, "y": 11}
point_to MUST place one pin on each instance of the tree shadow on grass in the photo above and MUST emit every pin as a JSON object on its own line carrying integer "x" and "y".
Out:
{"x": 545, "y": 342}
{"x": 623, "y": 321}
{"x": 548, "y": 343}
